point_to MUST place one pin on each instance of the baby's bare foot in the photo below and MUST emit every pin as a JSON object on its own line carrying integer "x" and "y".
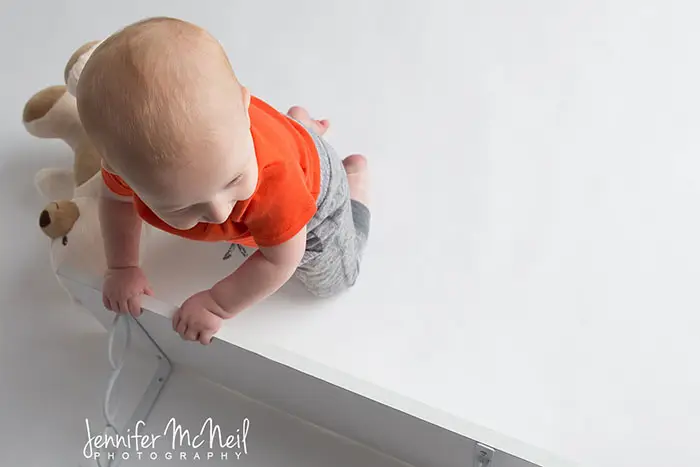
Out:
{"x": 301, "y": 114}
{"x": 358, "y": 178}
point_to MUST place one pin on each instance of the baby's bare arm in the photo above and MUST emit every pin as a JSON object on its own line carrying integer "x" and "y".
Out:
{"x": 259, "y": 276}
{"x": 121, "y": 231}
{"x": 124, "y": 281}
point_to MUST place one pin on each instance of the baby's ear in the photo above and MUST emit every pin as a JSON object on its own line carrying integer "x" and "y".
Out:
{"x": 246, "y": 97}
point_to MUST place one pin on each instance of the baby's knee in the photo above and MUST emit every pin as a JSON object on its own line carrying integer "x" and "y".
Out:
{"x": 334, "y": 284}
{"x": 326, "y": 290}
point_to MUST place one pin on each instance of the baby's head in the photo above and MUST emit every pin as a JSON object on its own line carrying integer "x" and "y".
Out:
{"x": 162, "y": 105}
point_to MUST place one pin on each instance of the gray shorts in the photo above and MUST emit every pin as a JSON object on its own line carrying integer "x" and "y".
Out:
{"x": 337, "y": 234}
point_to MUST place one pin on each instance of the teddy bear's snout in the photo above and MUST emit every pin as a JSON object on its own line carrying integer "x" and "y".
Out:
{"x": 44, "y": 219}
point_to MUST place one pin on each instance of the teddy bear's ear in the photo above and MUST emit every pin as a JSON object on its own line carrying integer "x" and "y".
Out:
{"x": 57, "y": 219}
{"x": 76, "y": 63}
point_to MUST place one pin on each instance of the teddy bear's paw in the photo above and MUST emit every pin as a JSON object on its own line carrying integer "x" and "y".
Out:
{"x": 55, "y": 184}
{"x": 37, "y": 109}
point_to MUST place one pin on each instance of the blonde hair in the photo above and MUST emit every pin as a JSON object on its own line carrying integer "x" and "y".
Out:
{"x": 147, "y": 89}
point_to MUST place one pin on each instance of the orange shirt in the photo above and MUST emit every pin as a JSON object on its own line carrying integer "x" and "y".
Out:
{"x": 285, "y": 197}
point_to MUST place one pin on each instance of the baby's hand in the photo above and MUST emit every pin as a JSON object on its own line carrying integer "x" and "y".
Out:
{"x": 122, "y": 290}
{"x": 198, "y": 318}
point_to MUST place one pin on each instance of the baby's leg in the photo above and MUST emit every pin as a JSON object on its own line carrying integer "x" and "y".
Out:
{"x": 338, "y": 233}
{"x": 301, "y": 114}
{"x": 355, "y": 165}
{"x": 334, "y": 250}
{"x": 358, "y": 178}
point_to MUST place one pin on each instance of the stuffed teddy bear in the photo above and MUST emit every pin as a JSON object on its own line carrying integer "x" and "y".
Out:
{"x": 70, "y": 219}
{"x": 52, "y": 113}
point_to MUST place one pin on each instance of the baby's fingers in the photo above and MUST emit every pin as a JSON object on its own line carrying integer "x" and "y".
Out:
{"x": 181, "y": 327}
{"x": 111, "y": 305}
{"x": 191, "y": 334}
{"x": 105, "y": 302}
{"x": 205, "y": 337}
{"x": 133, "y": 306}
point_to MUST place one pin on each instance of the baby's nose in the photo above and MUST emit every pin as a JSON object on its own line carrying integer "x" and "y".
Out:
{"x": 217, "y": 213}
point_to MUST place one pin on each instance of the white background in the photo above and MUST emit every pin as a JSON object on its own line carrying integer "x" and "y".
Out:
{"x": 534, "y": 253}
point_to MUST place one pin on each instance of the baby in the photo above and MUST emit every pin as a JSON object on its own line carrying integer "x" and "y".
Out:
{"x": 187, "y": 149}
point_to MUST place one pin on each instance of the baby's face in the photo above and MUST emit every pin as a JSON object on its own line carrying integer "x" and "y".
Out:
{"x": 187, "y": 150}
{"x": 203, "y": 185}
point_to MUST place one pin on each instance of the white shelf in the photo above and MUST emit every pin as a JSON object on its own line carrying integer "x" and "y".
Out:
{"x": 256, "y": 352}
